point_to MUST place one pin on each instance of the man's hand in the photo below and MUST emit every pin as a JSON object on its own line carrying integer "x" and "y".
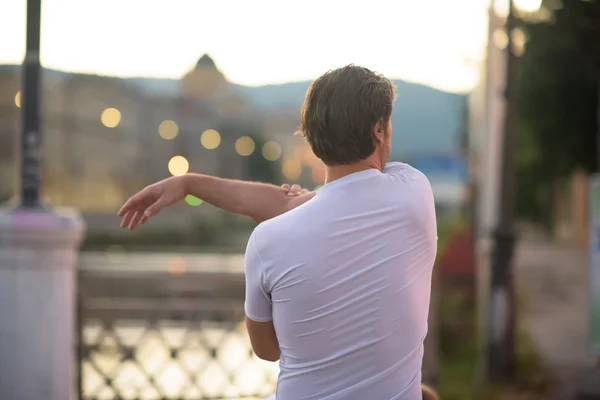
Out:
{"x": 151, "y": 200}
{"x": 294, "y": 190}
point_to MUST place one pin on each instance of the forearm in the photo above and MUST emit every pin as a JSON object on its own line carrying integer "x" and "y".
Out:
{"x": 259, "y": 201}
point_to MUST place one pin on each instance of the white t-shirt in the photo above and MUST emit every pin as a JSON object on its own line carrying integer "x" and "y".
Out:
{"x": 346, "y": 280}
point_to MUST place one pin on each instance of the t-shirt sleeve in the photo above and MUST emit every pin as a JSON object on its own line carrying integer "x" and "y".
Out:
{"x": 258, "y": 305}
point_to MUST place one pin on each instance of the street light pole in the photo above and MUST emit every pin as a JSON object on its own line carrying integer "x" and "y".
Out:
{"x": 31, "y": 116}
{"x": 501, "y": 315}
{"x": 38, "y": 249}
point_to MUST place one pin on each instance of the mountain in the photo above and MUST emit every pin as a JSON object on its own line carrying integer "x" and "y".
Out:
{"x": 425, "y": 120}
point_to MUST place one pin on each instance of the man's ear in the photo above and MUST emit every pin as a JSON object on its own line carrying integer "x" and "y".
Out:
{"x": 379, "y": 131}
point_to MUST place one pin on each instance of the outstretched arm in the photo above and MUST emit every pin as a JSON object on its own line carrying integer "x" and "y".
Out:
{"x": 259, "y": 201}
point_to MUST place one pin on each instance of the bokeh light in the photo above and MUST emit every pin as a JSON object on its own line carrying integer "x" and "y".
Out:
{"x": 244, "y": 146}
{"x": 178, "y": 165}
{"x": 291, "y": 169}
{"x": 318, "y": 175}
{"x": 18, "y": 99}
{"x": 299, "y": 152}
{"x": 519, "y": 39}
{"x": 193, "y": 200}
{"x": 168, "y": 129}
{"x": 528, "y": 6}
{"x": 271, "y": 151}
{"x": 500, "y": 39}
{"x": 210, "y": 139}
{"x": 177, "y": 266}
{"x": 111, "y": 117}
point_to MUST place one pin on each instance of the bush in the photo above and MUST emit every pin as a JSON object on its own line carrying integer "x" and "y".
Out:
{"x": 202, "y": 233}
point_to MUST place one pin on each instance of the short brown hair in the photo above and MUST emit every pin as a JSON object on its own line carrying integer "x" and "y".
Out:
{"x": 341, "y": 110}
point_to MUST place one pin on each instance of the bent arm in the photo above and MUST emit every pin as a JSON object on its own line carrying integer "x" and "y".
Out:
{"x": 260, "y": 201}
{"x": 263, "y": 339}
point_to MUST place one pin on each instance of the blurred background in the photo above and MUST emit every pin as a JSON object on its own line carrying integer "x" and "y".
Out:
{"x": 498, "y": 106}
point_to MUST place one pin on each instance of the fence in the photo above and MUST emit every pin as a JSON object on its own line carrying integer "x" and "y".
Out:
{"x": 149, "y": 330}
{"x": 154, "y": 326}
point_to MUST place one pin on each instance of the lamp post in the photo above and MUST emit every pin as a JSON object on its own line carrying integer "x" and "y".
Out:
{"x": 38, "y": 256}
{"x": 30, "y": 124}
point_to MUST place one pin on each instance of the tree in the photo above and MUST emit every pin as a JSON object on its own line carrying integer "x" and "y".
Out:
{"x": 557, "y": 103}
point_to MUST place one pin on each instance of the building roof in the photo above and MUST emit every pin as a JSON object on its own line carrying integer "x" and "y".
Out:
{"x": 205, "y": 62}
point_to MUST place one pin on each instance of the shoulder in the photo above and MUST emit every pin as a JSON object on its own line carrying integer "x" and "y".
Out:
{"x": 270, "y": 233}
{"x": 413, "y": 190}
{"x": 408, "y": 175}
{"x": 272, "y": 238}
{"x": 404, "y": 171}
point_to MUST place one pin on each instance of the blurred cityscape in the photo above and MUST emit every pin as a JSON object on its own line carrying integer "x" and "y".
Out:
{"x": 152, "y": 128}
{"x": 159, "y": 310}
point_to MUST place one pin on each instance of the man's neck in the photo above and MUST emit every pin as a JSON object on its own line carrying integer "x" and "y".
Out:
{"x": 333, "y": 173}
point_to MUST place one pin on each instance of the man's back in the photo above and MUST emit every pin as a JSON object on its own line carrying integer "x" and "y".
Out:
{"x": 346, "y": 279}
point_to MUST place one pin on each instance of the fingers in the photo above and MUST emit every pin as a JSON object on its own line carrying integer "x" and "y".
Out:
{"x": 295, "y": 190}
{"x": 154, "y": 208}
{"x": 129, "y": 204}
{"x": 135, "y": 210}
{"x": 133, "y": 202}
{"x": 135, "y": 220}
{"x": 127, "y": 217}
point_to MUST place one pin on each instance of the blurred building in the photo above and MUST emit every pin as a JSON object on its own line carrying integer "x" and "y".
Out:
{"x": 106, "y": 137}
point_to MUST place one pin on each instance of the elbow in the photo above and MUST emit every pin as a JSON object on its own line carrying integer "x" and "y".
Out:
{"x": 268, "y": 212}
{"x": 271, "y": 356}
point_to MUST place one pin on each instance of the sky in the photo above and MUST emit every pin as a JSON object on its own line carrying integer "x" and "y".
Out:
{"x": 436, "y": 42}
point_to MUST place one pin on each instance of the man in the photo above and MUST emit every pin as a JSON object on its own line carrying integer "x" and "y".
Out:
{"x": 338, "y": 282}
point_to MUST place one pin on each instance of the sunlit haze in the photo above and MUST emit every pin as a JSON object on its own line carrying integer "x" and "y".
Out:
{"x": 436, "y": 42}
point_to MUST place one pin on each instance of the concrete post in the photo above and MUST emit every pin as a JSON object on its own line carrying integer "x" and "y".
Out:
{"x": 38, "y": 257}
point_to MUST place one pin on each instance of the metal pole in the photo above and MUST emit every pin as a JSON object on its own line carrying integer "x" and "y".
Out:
{"x": 31, "y": 118}
{"x": 501, "y": 316}
{"x": 598, "y": 122}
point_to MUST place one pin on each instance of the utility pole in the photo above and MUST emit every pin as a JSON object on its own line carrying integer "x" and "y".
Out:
{"x": 31, "y": 146}
{"x": 598, "y": 121}
{"x": 501, "y": 314}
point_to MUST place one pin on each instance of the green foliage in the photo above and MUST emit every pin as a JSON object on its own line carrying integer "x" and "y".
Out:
{"x": 203, "y": 233}
{"x": 459, "y": 351}
{"x": 557, "y": 103}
